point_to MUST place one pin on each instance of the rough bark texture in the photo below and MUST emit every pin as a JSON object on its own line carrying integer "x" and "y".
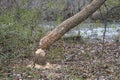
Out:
{"x": 68, "y": 24}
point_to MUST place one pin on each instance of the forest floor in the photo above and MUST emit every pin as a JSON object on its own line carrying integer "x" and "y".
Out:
{"x": 74, "y": 60}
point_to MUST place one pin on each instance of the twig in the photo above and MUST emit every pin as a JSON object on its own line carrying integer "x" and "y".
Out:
{"x": 103, "y": 42}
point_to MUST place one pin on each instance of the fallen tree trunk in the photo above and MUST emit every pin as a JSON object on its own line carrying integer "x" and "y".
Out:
{"x": 64, "y": 27}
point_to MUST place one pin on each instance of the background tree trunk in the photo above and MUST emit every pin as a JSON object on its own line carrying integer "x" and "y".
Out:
{"x": 65, "y": 26}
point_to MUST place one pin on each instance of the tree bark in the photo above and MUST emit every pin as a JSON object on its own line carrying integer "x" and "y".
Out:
{"x": 65, "y": 26}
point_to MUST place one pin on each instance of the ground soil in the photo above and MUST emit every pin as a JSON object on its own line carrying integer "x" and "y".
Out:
{"x": 76, "y": 61}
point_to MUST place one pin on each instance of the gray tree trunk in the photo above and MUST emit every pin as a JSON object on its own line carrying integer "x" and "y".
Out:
{"x": 64, "y": 27}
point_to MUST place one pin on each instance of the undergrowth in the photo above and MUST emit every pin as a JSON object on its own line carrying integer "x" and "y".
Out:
{"x": 19, "y": 32}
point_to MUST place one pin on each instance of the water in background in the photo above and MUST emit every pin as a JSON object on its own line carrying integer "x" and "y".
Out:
{"x": 90, "y": 30}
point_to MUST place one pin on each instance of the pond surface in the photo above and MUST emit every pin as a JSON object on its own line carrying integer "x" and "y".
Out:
{"x": 90, "y": 30}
